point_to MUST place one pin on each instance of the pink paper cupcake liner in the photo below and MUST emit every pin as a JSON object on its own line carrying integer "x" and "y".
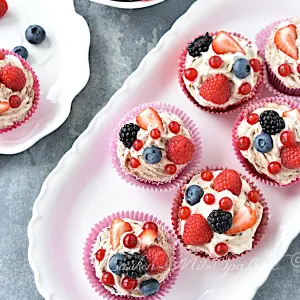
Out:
{"x": 261, "y": 230}
{"x": 166, "y": 285}
{"x": 271, "y": 81}
{"x": 229, "y": 109}
{"x": 286, "y": 101}
{"x": 36, "y": 88}
{"x": 189, "y": 168}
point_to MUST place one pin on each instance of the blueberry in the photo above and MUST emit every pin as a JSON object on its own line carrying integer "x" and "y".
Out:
{"x": 22, "y": 51}
{"x": 241, "y": 68}
{"x": 35, "y": 34}
{"x": 152, "y": 155}
{"x": 149, "y": 287}
{"x": 263, "y": 143}
{"x": 193, "y": 194}
{"x": 115, "y": 263}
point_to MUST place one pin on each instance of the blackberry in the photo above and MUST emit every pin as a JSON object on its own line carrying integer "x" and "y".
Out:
{"x": 134, "y": 265}
{"x": 128, "y": 134}
{"x": 271, "y": 122}
{"x": 199, "y": 45}
{"x": 219, "y": 220}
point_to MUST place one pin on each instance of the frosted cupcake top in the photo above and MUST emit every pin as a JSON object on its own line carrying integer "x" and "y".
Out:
{"x": 16, "y": 90}
{"x": 269, "y": 138}
{"x": 132, "y": 258}
{"x": 220, "y": 213}
{"x": 154, "y": 146}
{"x": 221, "y": 70}
{"x": 282, "y": 52}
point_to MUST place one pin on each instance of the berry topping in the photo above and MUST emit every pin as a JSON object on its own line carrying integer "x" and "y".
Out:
{"x": 293, "y": 114}
{"x": 225, "y": 43}
{"x": 290, "y": 156}
{"x": 219, "y": 220}
{"x": 128, "y": 134}
{"x": 118, "y": 227}
{"x": 170, "y": 169}
{"x": 157, "y": 258}
{"x": 196, "y": 231}
{"x": 3, "y": 8}
{"x": 174, "y": 127}
{"x": 149, "y": 287}
{"x": 180, "y": 149}
{"x": 150, "y": 225}
{"x": 263, "y": 143}
{"x": 13, "y": 78}
{"x": 199, "y": 45}
{"x": 244, "y": 219}
{"x": 241, "y": 68}
{"x": 215, "y": 62}
{"x": 193, "y": 194}
{"x": 130, "y": 241}
{"x": 2, "y": 55}
{"x": 216, "y": 89}
{"x": 255, "y": 64}
{"x": 134, "y": 162}
{"x": 209, "y": 199}
{"x": 228, "y": 180}
{"x": 285, "y": 70}
{"x": 221, "y": 249}
{"x": 129, "y": 284}
{"x": 271, "y": 122}
{"x": 35, "y": 34}
{"x": 149, "y": 116}
{"x": 108, "y": 279}
{"x": 253, "y": 119}
{"x": 100, "y": 254}
{"x": 288, "y": 138}
{"x": 225, "y": 203}
{"x": 274, "y": 167}
{"x": 155, "y": 133}
{"x": 243, "y": 143}
{"x": 285, "y": 40}
{"x": 298, "y": 69}
{"x": 134, "y": 265}
{"x": 253, "y": 196}
{"x": 147, "y": 237}
{"x": 4, "y": 106}
{"x": 116, "y": 263}
{"x": 190, "y": 74}
{"x": 207, "y": 175}
{"x": 152, "y": 155}
{"x": 138, "y": 145}
{"x": 22, "y": 51}
{"x": 15, "y": 101}
{"x": 184, "y": 213}
{"x": 245, "y": 88}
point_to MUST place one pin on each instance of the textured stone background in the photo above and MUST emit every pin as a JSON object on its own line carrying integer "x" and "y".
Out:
{"x": 120, "y": 39}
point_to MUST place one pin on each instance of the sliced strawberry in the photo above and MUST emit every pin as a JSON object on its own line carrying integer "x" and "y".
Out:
{"x": 149, "y": 116}
{"x": 147, "y": 237}
{"x": 293, "y": 114}
{"x": 118, "y": 227}
{"x": 224, "y": 43}
{"x": 4, "y": 106}
{"x": 244, "y": 219}
{"x": 285, "y": 40}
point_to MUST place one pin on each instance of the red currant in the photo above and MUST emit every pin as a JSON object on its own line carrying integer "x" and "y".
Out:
{"x": 255, "y": 64}
{"x": 245, "y": 88}
{"x": 2, "y": 55}
{"x": 298, "y": 69}
{"x": 130, "y": 241}
{"x": 100, "y": 254}
{"x": 243, "y": 143}
{"x": 184, "y": 213}
{"x": 274, "y": 167}
{"x": 191, "y": 74}
{"x": 225, "y": 203}
{"x": 221, "y": 249}
{"x": 150, "y": 225}
{"x": 134, "y": 163}
{"x": 170, "y": 169}
{"x": 15, "y": 101}
{"x": 253, "y": 196}
{"x": 288, "y": 138}
{"x": 215, "y": 62}
{"x": 209, "y": 199}
{"x": 285, "y": 70}
{"x": 207, "y": 175}
{"x": 174, "y": 127}
{"x": 129, "y": 284}
{"x": 137, "y": 145}
{"x": 108, "y": 279}
{"x": 155, "y": 133}
{"x": 253, "y": 119}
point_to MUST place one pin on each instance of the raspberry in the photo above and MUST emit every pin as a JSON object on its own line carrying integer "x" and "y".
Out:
{"x": 3, "y": 8}
{"x": 157, "y": 258}
{"x": 13, "y": 77}
{"x": 228, "y": 180}
{"x": 180, "y": 149}
{"x": 216, "y": 89}
{"x": 290, "y": 156}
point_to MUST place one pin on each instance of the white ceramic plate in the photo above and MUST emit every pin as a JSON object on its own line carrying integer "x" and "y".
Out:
{"x": 54, "y": 60}
{"x": 84, "y": 187}
{"x": 129, "y": 5}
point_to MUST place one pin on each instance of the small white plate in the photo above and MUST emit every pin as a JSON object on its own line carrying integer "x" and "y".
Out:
{"x": 61, "y": 63}
{"x": 129, "y": 5}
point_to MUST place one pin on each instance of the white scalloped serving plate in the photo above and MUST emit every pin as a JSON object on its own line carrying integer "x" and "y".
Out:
{"x": 84, "y": 187}
{"x": 62, "y": 72}
{"x": 129, "y": 5}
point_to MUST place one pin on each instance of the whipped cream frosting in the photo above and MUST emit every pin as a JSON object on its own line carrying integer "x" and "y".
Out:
{"x": 103, "y": 242}
{"x": 275, "y": 57}
{"x": 261, "y": 160}
{"x": 13, "y": 115}
{"x": 237, "y": 243}
{"x": 201, "y": 64}
{"x": 154, "y": 172}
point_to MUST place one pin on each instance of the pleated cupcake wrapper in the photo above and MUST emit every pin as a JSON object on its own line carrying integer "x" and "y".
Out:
{"x": 174, "y": 182}
{"x": 271, "y": 80}
{"x": 177, "y": 203}
{"x": 285, "y": 101}
{"x": 165, "y": 286}
{"x": 36, "y": 88}
{"x": 217, "y": 110}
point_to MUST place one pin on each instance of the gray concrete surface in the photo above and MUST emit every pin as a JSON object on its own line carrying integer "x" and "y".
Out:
{"x": 120, "y": 39}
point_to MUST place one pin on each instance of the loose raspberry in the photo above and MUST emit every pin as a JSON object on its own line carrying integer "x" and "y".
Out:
{"x": 290, "y": 156}
{"x": 13, "y": 78}
{"x": 228, "y": 180}
{"x": 157, "y": 258}
{"x": 3, "y": 8}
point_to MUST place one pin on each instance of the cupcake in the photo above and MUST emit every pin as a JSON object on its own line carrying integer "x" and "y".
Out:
{"x": 133, "y": 257}
{"x": 219, "y": 214}
{"x": 19, "y": 90}
{"x": 266, "y": 138}
{"x": 218, "y": 71}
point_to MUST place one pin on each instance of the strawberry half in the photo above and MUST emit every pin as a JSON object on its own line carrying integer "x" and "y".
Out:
{"x": 285, "y": 40}
{"x": 147, "y": 237}
{"x": 4, "y": 106}
{"x": 118, "y": 227}
{"x": 149, "y": 116}
{"x": 293, "y": 114}
{"x": 290, "y": 156}
{"x": 224, "y": 43}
